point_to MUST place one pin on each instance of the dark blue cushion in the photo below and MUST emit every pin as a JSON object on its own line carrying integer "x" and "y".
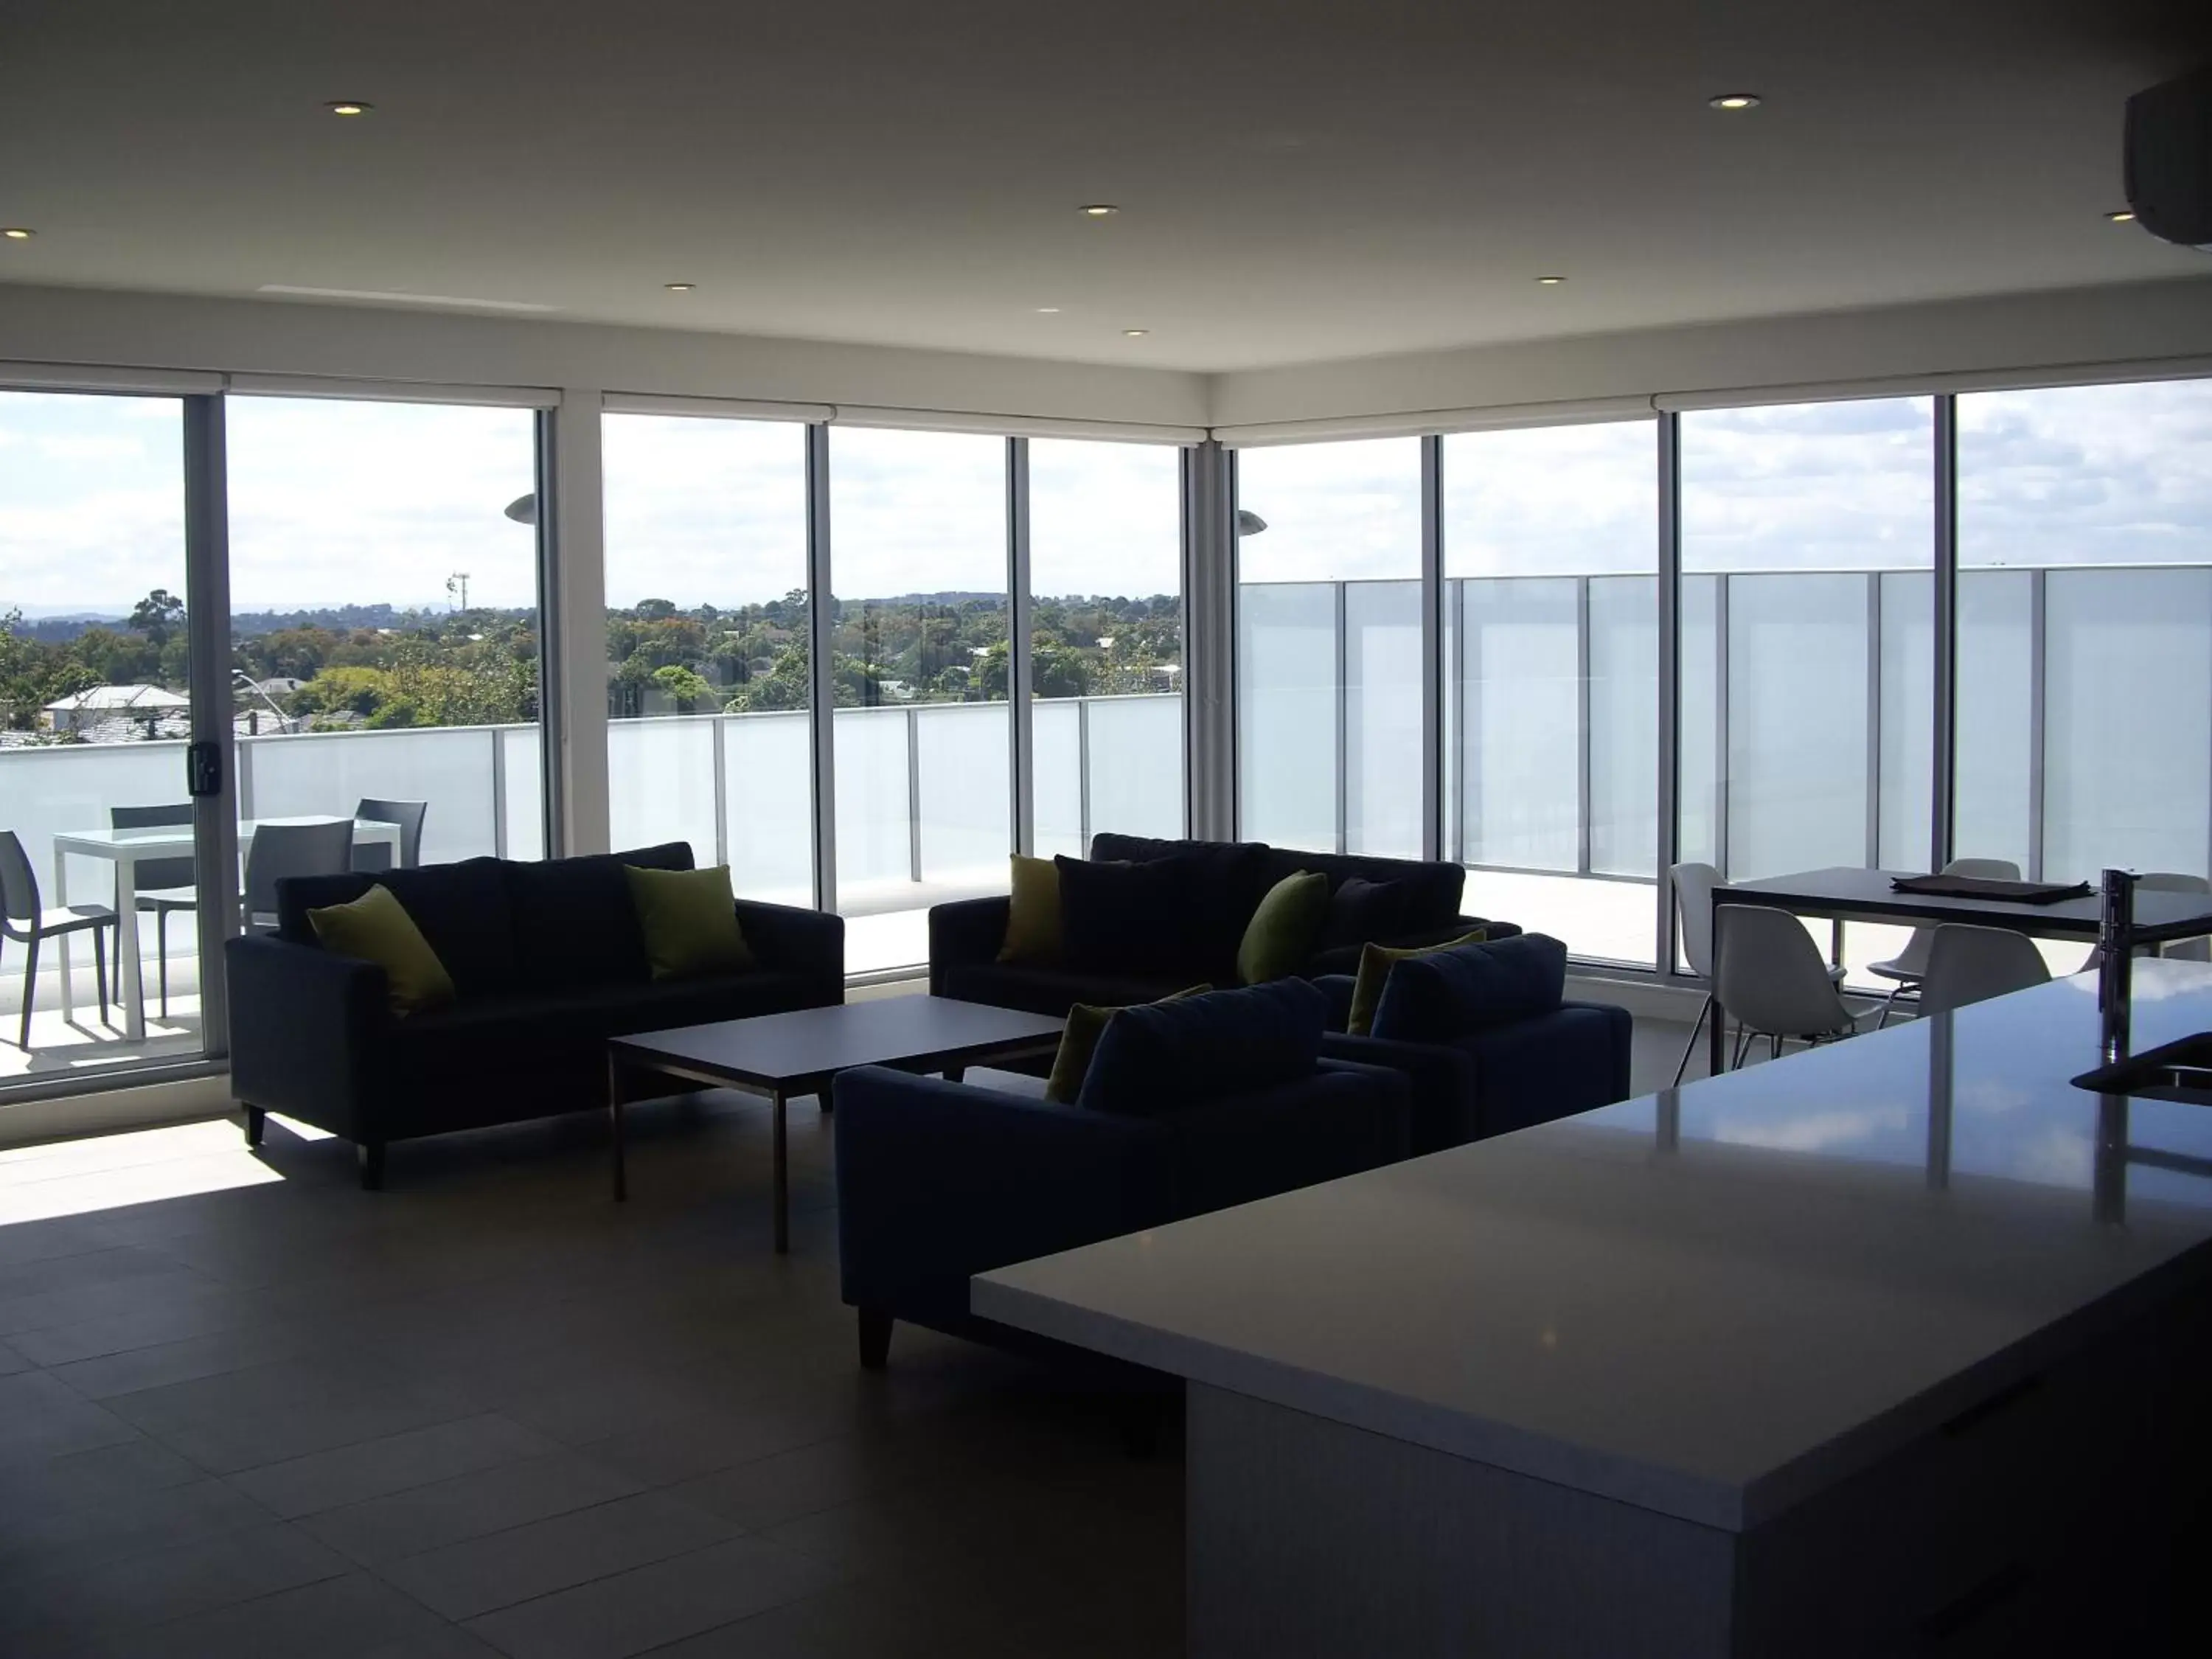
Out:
{"x": 1473, "y": 987}
{"x": 1166, "y": 1056}
{"x": 576, "y": 924}
{"x": 1124, "y": 918}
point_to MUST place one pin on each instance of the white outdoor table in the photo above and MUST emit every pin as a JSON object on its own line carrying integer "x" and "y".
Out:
{"x": 123, "y": 850}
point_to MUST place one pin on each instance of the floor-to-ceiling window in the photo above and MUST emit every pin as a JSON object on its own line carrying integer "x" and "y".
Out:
{"x": 1552, "y": 677}
{"x": 2085, "y": 637}
{"x": 918, "y": 641}
{"x": 1106, "y": 633}
{"x": 93, "y": 723}
{"x": 709, "y": 717}
{"x": 1807, "y": 654}
{"x": 384, "y": 594}
{"x": 1328, "y": 620}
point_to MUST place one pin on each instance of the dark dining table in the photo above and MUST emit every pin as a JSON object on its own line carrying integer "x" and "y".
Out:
{"x": 1842, "y": 893}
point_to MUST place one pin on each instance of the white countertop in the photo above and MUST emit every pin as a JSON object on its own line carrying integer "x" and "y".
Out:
{"x": 1711, "y": 1301}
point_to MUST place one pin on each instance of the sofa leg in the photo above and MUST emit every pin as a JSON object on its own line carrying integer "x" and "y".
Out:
{"x": 370, "y": 1156}
{"x": 956, "y": 1074}
{"x": 255, "y": 1121}
{"x": 875, "y": 1340}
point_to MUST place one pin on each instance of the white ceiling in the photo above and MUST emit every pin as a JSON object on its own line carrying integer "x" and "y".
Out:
{"x": 1301, "y": 179}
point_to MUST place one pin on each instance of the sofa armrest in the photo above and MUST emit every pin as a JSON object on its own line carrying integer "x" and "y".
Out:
{"x": 1343, "y": 1119}
{"x": 964, "y": 933}
{"x": 1574, "y": 1059}
{"x": 1442, "y": 1081}
{"x": 307, "y": 1029}
{"x": 795, "y": 940}
{"x": 937, "y": 1181}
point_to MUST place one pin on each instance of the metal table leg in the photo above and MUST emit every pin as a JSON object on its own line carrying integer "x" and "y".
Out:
{"x": 782, "y": 1181}
{"x": 615, "y": 1118}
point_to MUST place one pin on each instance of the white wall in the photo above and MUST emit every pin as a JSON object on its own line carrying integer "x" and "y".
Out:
{"x": 272, "y": 336}
{"x": 2066, "y": 328}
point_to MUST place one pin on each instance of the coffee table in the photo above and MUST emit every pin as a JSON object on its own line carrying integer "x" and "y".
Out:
{"x": 798, "y": 1053}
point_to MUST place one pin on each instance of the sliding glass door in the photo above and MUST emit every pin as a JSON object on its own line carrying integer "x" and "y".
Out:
{"x": 100, "y": 967}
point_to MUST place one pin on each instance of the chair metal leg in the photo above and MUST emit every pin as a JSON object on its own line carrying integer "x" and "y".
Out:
{"x": 100, "y": 966}
{"x": 162, "y": 954}
{"x": 30, "y": 990}
{"x": 1774, "y": 1045}
{"x": 1888, "y": 1003}
{"x": 1704, "y": 1012}
{"x": 1743, "y": 1036}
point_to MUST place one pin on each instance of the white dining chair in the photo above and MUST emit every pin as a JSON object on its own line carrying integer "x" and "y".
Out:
{"x": 1908, "y": 965}
{"x": 1773, "y": 981}
{"x": 1693, "y": 899}
{"x": 1967, "y": 964}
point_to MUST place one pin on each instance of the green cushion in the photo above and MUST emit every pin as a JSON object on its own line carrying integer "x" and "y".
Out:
{"x": 1375, "y": 962}
{"x": 1280, "y": 938}
{"x": 1078, "y": 1041}
{"x": 376, "y": 927}
{"x": 689, "y": 921}
{"x": 1033, "y": 912}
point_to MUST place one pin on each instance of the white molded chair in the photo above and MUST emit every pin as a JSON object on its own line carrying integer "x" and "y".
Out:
{"x": 1693, "y": 898}
{"x": 1773, "y": 981}
{"x": 1908, "y": 965}
{"x": 1970, "y": 964}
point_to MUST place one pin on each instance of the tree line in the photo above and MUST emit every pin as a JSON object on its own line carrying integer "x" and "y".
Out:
{"x": 375, "y": 666}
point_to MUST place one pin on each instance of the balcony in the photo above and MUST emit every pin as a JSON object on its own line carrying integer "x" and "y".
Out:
{"x": 924, "y": 817}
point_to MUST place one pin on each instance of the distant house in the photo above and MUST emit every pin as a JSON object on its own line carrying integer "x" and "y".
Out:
{"x": 284, "y": 685}
{"x": 108, "y": 702}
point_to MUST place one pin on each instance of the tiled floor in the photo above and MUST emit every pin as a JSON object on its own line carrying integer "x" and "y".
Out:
{"x": 247, "y": 1410}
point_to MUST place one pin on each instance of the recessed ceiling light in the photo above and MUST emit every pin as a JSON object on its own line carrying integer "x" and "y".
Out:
{"x": 1136, "y": 333}
{"x": 348, "y": 107}
{"x": 1735, "y": 100}
{"x": 1047, "y": 310}
{"x": 17, "y": 234}
{"x": 2118, "y": 216}
{"x": 1549, "y": 282}
{"x": 679, "y": 288}
{"x": 1100, "y": 210}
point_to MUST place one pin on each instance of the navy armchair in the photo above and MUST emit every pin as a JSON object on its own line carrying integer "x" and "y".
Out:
{"x": 1495, "y": 1057}
{"x": 938, "y": 1181}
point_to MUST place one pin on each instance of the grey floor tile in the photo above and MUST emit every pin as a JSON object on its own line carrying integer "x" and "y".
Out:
{"x": 469, "y": 1506}
{"x": 269, "y": 1414}
{"x": 127, "y": 1469}
{"x": 480, "y": 1574}
{"x": 41, "y": 1417}
{"x": 168, "y": 1318}
{"x": 76, "y": 1524}
{"x": 862, "y": 1619}
{"x": 415, "y": 1457}
{"x": 215, "y": 1354}
{"x": 651, "y": 1606}
{"x": 786, "y": 1486}
{"x": 672, "y": 1448}
{"x": 12, "y": 1360}
{"x": 154, "y": 1586}
{"x": 352, "y": 1617}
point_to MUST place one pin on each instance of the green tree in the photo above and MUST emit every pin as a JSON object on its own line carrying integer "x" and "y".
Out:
{"x": 682, "y": 686}
{"x": 157, "y": 616}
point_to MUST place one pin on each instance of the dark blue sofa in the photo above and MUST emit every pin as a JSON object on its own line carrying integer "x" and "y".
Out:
{"x": 1486, "y": 1040}
{"x": 938, "y": 1181}
{"x": 1230, "y": 880}
{"x": 548, "y": 962}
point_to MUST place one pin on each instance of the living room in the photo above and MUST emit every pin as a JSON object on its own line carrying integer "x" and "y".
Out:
{"x": 1018, "y": 895}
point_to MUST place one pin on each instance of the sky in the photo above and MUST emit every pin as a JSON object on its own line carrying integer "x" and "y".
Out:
{"x": 337, "y": 502}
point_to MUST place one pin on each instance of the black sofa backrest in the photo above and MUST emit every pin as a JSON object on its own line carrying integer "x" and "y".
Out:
{"x": 504, "y": 928}
{"x": 1436, "y": 888}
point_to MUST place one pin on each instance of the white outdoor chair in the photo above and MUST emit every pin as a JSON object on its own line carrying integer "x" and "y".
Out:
{"x": 1773, "y": 981}
{"x": 1908, "y": 965}
{"x": 1972, "y": 964}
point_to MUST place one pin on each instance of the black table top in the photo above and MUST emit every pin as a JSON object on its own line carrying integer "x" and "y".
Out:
{"x": 779, "y": 1049}
{"x": 1842, "y": 890}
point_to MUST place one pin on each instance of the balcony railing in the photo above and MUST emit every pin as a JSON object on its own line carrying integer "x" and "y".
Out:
{"x": 923, "y": 805}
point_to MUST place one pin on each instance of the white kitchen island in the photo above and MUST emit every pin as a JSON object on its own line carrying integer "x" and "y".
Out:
{"x": 1896, "y": 1347}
